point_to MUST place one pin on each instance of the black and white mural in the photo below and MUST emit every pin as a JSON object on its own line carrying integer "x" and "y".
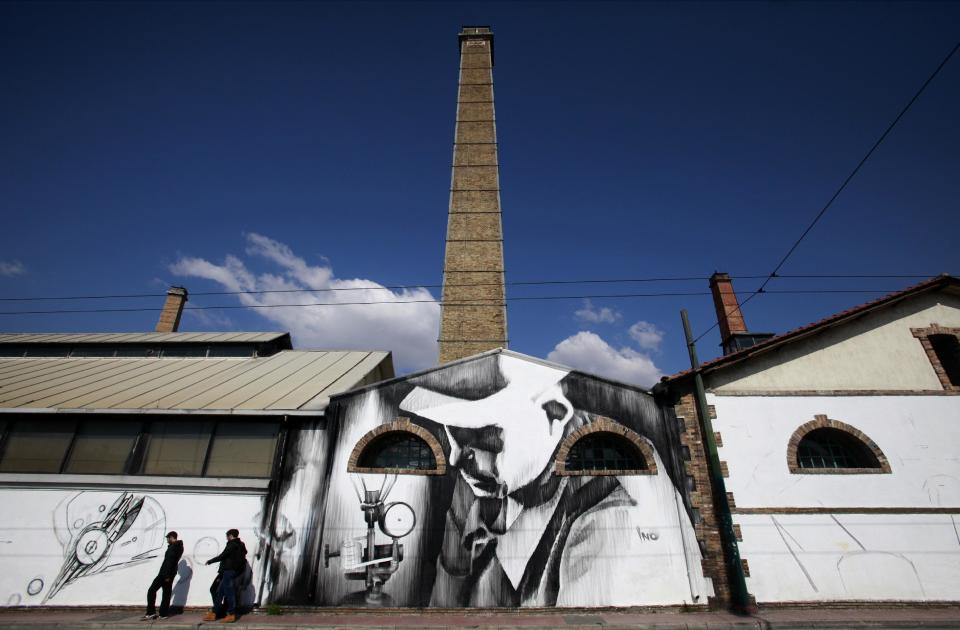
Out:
{"x": 500, "y": 527}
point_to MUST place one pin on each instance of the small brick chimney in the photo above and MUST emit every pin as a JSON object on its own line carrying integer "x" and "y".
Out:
{"x": 729, "y": 317}
{"x": 734, "y": 335}
{"x": 172, "y": 310}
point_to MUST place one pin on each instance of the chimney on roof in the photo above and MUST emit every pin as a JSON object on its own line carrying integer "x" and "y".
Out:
{"x": 172, "y": 310}
{"x": 729, "y": 317}
{"x": 734, "y": 335}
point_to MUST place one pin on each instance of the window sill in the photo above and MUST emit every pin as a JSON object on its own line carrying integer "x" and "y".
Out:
{"x": 840, "y": 471}
{"x": 146, "y": 482}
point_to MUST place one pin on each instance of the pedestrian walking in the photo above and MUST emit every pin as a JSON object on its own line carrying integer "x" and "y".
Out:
{"x": 164, "y": 580}
{"x": 232, "y": 561}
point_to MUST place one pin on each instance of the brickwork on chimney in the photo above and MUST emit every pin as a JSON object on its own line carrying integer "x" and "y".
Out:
{"x": 729, "y": 317}
{"x": 474, "y": 317}
{"x": 169, "y": 320}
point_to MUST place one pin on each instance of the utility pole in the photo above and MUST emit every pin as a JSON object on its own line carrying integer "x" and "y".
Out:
{"x": 728, "y": 538}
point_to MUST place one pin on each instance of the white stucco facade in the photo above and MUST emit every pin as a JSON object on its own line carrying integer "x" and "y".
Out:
{"x": 847, "y": 536}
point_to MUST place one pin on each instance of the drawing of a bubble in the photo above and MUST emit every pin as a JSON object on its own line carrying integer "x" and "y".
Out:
{"x": 14, "y": 600}
{"x": 205, "y": 548}
{"x": 35, "y": 586}
{"x": 77, "y": 524}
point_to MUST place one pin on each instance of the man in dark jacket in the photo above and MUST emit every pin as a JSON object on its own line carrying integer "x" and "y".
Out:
{"x": 164, "y": 579}
{"x": 232, "y": 561}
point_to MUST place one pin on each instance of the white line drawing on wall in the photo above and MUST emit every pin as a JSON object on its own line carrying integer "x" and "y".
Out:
{"x": 205, "y": 548}
{"x": 103, "y": 531}
{"x": 783, "y": 535}
{"x": 35, "y": 586}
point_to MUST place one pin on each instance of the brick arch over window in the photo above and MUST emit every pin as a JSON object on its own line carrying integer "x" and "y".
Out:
{"x": 400, "y": 425}
{"x": 605, "y": 425}
{"x": 823, "y": 422}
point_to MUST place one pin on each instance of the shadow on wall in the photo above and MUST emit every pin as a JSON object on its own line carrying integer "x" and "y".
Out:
{"x": 181, "y": 589}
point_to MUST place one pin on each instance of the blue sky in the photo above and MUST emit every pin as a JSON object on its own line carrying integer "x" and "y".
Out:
{"x": 308, "y": 145}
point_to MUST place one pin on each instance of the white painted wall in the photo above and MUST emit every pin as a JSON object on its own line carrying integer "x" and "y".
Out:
{"x": 877, "y": 351}
{"x": 846, "y": 556}
{"x": 35, "y": 524}
{"x": 823, "y": 557}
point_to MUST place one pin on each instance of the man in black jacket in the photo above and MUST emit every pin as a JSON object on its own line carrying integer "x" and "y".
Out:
{"x": 232, "y": 561}
{"x": 164, "y": 579}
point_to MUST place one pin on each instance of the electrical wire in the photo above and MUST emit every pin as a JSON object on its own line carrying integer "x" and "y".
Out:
{"x": 816, "y": 219}
{"x": 478, "y": 284}
{"x": 431, "y": 301}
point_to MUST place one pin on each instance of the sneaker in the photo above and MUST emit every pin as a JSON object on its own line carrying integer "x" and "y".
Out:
{"x": 149, "y": 617}
{"x": 229, "y": 619}
{"x": 210, "y": 616}
{"x": 162, "y": 617}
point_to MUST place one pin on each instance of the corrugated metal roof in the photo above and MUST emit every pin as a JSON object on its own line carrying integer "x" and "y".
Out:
{"x": 290, "y": 380}
{"x": 145, "y": 337}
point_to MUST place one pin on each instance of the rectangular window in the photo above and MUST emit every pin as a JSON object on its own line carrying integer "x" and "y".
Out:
{"x": 185, "y": 351}
{"x": 232, "y": 351}
{"x": 37, "y": 445}
{"x": 103, "y": 446}
{"x": 177, "y": 448}
{"x": 243, "y": 449}
{"x": 947, "y": 349}
{"x": 93, "y": 351}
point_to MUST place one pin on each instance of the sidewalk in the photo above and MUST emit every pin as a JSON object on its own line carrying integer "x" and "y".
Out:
{"x": 123, "y": 619}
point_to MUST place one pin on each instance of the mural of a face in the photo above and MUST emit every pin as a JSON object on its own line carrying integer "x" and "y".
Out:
{"x": 504, "y": 441}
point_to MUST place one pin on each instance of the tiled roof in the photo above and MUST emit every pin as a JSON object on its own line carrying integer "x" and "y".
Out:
{"x": 933, "y": 284}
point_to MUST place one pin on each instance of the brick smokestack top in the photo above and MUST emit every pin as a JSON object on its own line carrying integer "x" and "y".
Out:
{"x": 729, "y": 317}
{"x": 172, "y": 310}
{"x": 474, "y": 315}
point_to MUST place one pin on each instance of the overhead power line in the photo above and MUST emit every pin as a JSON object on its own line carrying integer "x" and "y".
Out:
{"x": 426, "y": 301}
{"x": 823, "y": 210}
{"x": 396, "y": 287}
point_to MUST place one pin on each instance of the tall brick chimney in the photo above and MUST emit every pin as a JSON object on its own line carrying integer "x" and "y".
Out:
{"x": 172, "y": 310}
{"x": 474, "y": 315}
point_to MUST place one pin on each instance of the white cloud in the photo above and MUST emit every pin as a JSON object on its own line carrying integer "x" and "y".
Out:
{"x": 593, "y": 315}
{"x": 408, "y": 329}
{"x": 646, "y": 335}
{"x": 587, "y": 351}
{"x": 10, "y": 268}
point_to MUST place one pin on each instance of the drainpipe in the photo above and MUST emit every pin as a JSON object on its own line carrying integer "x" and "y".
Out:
{"x": 728, "y": 539}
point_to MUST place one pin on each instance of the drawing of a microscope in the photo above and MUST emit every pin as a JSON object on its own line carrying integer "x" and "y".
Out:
{"x": 361, "y": 558}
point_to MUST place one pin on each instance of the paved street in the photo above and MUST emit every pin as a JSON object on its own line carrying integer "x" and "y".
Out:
{"x": 121, "y": 619}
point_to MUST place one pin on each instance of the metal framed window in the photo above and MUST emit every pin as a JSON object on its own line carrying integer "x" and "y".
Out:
{"x": 400, "y": 450}
{"x": 194, "y": 447}
{"x": 833, "y": 448}
{"x": 604, "y": 451}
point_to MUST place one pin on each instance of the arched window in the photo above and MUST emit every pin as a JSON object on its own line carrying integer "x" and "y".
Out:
{"x": 398, "y": 449}
{"x": 604, "y": 451}
{"x": 605, "y": 447}
{"x": 829, "y": 446}
{"x": 833, "y": 448}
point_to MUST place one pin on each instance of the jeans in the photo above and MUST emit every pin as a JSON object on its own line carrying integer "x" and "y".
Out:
{"x": 226, "y": 597}
{"x": 159, "y": 582}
